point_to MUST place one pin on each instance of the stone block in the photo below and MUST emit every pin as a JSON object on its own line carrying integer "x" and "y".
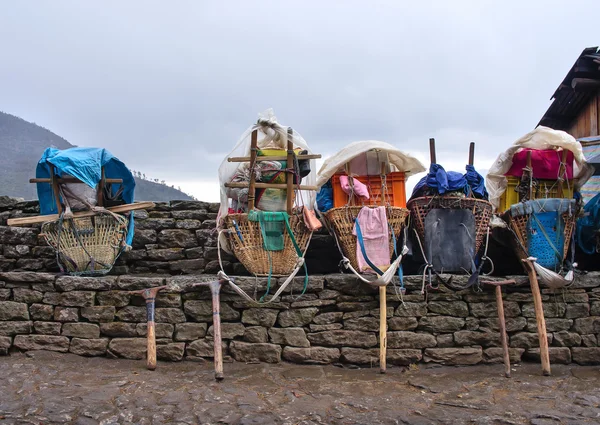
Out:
{"x": 131, "y": 314}
{"x": 311, "y": 355}
{"x": 551, "y": 309}
{"x": 4, "y": 294}
{"x": 454, "y": 356}
{"x": 5, "y": 343}
{"x": 190, "y": 215}
{"x": 589, "y": 340}
{"x": 179, "y": 238}
{"x": 168, "y": 300}
{"x": 99, "y": 314}
{"x": 10, "y": 310}
{"x": 27, "y": 277}
{"x": 162, "y": 330}
{"x": 172, "y": 352}
{"x": 445, "y": 340}
{"x": 576, "y": 310}
{"x": 201, "y": 311}
{"x": 66, "y": 314}
{"x": 402, "y": 323}
{"x": 342, "y": 338}
{"x": 483, "y": 338}
{"x": 329, "y": 327}
{"x": 41, "y": 311}
{"x": 14, "y": 328}
{"x": 260, "y": 316}
{"x": 489, "y": 309}
{"x": 558, "y": 355}
{"x": 188, "y": 224}
{"x": 495, "y": 355}
{"x": 348, "y": 284}
{"x": 29, "y": 296}
{"x": 135, "y": 283}
{"x": 118, "y": 329}
{"x": 452, "y": 308}
{"x": 81, "y": 330}
{"x": 327, "y": 318}
{"x": 47, "y": 328}
{"x": 190, "y": 331}
{"x": 566, "y": 339}
{"x": 586, "y": 355}
{"x": 411, "y": 309}
{"x": 295, "y": 337}
{"x": 527, "y": 340}
{"x": 297, "y": 317}
{"x": 113, "y": 298}
{"x": 75, "y": 283}
{"x": 513, "y": 324}
{"x": 440, "y": 324}
{"x": 404, "y": 339}
{"x": 165, "y": 254}
{"x": 204, "y": 348}
{"x": 357, "y": 305}
{"x": 41, "y": 342}
{"x": 70, "y": 299}
{"x": 169, "y": 315}
{"x": 553, "y": 324}
{"x": 251, "y": 353}
{"x": 229, "y": 330}
{"x": 587, "y": 325}
{"x": 89, "y": 347}
{"x": 18, "y": 236}
{"x": 143, "y": 237}
{"x": 366, "y": 323}
{"x": 128, "y": 348}
{"x": 256, "y": 334}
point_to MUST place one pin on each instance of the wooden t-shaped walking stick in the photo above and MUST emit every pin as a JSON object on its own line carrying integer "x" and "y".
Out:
{"x": 502, "y": 321}
{"x": 149, "y": 295}
{"x": 215, "y": 290}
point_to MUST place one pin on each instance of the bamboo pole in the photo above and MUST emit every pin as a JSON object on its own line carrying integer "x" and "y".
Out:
{"x": 530, "y": 171}
{"x": 432, "y": 151}
{"x": 561, "y": 171}
{"x": 539, "y": 316}
{"x": 472, "y": 153}
{"x": 251, "y": 186}
{"x": 52, "y": 217}
{"x": 503, "y": 336}
{"x": 382, "y": 308}
{"x": 290, "y": 175}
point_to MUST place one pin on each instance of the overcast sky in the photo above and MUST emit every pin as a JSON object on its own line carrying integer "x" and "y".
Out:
{"x": 169, "y": 86}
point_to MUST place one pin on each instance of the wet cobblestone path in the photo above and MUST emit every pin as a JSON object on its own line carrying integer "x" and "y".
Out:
{"x": 48, "y": 388}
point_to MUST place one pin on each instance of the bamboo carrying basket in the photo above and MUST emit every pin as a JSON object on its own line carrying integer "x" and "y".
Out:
{"x": 482, "y": 210}
{"x": 87, "y": 245}
{"x": 249, "y": 249}
{"x": 341, "y": 220}
{"x": 518, "y": 224}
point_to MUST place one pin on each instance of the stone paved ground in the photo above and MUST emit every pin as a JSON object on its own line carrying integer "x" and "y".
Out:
{"x": 45, "y": 388}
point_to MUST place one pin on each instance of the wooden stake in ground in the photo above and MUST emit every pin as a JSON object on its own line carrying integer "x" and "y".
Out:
{"x": 382, "y": 329}
{"x": 502, "y": 322}
{"x": 150, "y": 297}
{"x": 215, "y": 290}
{"x": 539, "y": 315}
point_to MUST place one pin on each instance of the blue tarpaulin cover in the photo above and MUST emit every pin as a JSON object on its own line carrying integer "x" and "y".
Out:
{"x": 86, "y": 165}
{"x": 588, "y": 225}
{"x": 443, "y": 181}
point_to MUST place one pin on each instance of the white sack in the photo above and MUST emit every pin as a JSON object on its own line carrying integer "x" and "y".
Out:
{"x": 541, "y": 138}
{"x": 269, "y": 132}
{"x": 399, "y": 161}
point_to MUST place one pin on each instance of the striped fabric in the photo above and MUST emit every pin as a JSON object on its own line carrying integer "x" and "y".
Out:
{"x": 590, "y": 149}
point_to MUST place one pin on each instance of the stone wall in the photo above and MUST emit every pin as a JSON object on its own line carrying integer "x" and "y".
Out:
{"x": 335, "y": 321}
{"x": 176, "y": 237}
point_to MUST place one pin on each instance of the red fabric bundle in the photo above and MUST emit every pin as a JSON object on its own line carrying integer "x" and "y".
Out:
{"x": 545, "y": 164}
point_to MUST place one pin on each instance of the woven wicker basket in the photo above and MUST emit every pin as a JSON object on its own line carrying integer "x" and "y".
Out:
{"x": 87, "y": 245}
{"x": 518, "y": 224}
{"x": 482, "y": 210}
{"x": 341, "y": 220}
{"x": 251, "y": 253}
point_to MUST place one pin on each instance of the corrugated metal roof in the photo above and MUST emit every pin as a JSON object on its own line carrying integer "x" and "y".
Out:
{"x": 572, "y": 96}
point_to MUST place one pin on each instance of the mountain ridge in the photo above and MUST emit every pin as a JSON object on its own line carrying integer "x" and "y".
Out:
{"x": 23, "y": 143}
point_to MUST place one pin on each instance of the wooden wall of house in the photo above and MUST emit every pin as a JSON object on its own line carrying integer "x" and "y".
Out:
{"x": 588, "y": 122}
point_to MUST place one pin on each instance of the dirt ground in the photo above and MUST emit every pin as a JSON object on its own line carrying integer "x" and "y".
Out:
{"x": 47, "y": 388}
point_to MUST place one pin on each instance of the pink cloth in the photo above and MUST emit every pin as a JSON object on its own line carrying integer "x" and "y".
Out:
{"x": 375, "y": 230}
{"x": 545, "y": 163}
{"x": 360, "y": 189}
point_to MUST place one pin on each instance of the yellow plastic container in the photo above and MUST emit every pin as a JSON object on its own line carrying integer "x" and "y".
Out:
{"x": 545, "y": 189}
